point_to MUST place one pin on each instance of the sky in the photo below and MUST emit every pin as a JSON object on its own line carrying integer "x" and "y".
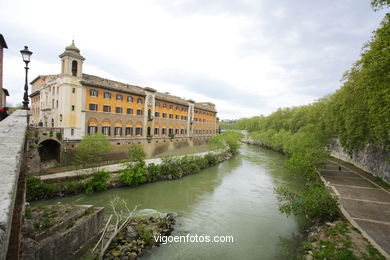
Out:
{"x": 249, "y": 57}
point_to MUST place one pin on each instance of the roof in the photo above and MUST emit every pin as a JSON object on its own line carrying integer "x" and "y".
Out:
{"x": 51, "y": 76}
{"x": 72, "y": 51}
{"x": 2, "y": 42}
{"x": 95, "y": 81}
{"x": 5, "y": 92}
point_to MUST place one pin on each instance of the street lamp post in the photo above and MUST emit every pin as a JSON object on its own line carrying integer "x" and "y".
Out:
{"x": 26, "y": 55}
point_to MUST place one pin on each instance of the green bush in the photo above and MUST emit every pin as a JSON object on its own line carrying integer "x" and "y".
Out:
{"x": 37, "y": 189}
{"x": 134, "y": 175}
{"x": 153, "y": 172}
{"x": 211, "y": 159}
{"x": 75, "y": 186}
{"x": 170, "y": 167}
{"x": 229, "y": 138}
{"x": 99, "y": 182}
{"x": 314, "y": 202}
{"x": 136, "y": 152}
{"x": 91, "y": 149}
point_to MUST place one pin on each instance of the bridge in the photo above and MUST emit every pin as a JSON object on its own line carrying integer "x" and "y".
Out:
{"x": 12, "y": 182}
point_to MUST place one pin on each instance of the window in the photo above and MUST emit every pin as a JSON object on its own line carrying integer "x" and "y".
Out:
{"x": 138, "y": 131}
{"x": 52, "y": 103}
{"x": 139, "y": 101}
{"x": 106, "y": 130}
{"x": 156, "y": 130}
{"x": 170, "y": 106}
{"x": 107, "y": 108}
{"x": 72, "y": 131}
{"x": 118, "y": 131}
{"x": 118, "y": 110}
{"x": 182, "y": 131}
{"x": 60, "y": 117}
{"x": 52, "y": 122}
{"x": 164, "y": 105}
{"x": 130, "y": 99}
{"x": 171, "y": 116}
{"x": 164, "y": 115}
{"x": 177, "y": 108}
{"x": 164, "y": 131}
{"x": 93, "y": 107}
{"x": 73, "y": 90}
{"x": 150, "y": 117}
{"x": 129, "y": 131}
{"x": 119, "y": 97}
{"x": 57, "y": 103}
{"x": 74, "y": 68}
{"x": 92, "y": 130}
{"x": 72, "y": 107}
{"x": 156, "y": 114}
{"x": 107, "y": 95}
{"x": 170, "y": 131}
{"x": 177, "y": 117}
{"x": 93, "y": 92}
{"x": 129, "y": 111}
{"x": 150, "y": 100}
{"x": 139, "y": 112}
{"x": 157, "y": 104}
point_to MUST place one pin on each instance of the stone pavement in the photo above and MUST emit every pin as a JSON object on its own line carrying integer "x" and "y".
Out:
{"x": 364, "y": 203}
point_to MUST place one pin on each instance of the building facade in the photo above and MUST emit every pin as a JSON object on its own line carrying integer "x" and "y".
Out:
{"x": 3, "y": 92}
{"x": 82, "y": 104}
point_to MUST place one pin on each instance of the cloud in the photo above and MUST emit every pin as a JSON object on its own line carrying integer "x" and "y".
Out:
{"x": 249, "y": 57}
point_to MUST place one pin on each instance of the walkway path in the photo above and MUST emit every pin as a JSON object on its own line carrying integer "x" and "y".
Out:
{"x": 68, "y": 175}
{"x": 364, "y": 203}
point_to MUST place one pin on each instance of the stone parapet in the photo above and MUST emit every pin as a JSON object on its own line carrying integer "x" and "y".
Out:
{"x": 12, "y": 147}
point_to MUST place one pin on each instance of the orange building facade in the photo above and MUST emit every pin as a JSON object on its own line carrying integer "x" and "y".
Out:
{"x": 83, "y": 104}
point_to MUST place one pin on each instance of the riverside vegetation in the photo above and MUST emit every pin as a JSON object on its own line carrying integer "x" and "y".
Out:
{"x": 136, "y": 172}
{"x": 358, "y": 114}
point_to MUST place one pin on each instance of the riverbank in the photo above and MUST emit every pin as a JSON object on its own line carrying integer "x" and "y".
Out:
{"x": 330, "y": 239}
{"x": 91, "y": 180}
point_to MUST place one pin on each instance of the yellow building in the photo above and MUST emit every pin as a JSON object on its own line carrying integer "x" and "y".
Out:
{"x": 82, "y": 104}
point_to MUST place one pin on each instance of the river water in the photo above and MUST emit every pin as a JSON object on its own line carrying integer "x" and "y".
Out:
{"x": 235, "y": 198}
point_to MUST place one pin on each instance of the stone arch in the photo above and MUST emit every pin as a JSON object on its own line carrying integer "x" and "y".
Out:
{"x": 106, "y": 122}
{"x": 50, "y": 149}
{"x": 92, "y": 122}
{"x": 118, "y": 123}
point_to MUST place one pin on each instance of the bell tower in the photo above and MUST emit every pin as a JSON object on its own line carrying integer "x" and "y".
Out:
{"x": 72, "y": 61}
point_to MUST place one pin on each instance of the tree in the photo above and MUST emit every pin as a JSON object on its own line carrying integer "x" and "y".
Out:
{"x": 136, "y": 152}
{"x": 91, "y": 149}
{"x": 379, "y": 4}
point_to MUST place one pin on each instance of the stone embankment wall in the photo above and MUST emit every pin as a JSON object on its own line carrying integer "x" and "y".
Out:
{"x": 67, "y": 239}
{"x": 12, "y": 147}
{"x": 376, "y": 162}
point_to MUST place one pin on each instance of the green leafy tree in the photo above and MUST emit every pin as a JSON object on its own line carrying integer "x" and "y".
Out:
{"x": 136, "y": 153}
{"x": 91, "y": 149}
